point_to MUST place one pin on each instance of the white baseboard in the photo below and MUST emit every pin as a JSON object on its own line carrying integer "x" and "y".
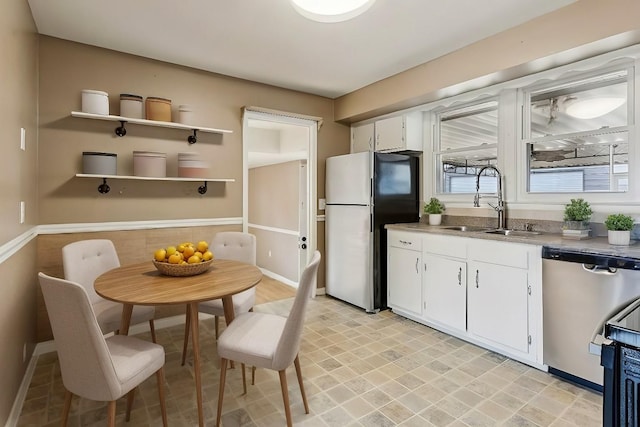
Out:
{"x": 321, "y": 291}
{"x": 16, "y": 409}
{"x": 279, "y": 278}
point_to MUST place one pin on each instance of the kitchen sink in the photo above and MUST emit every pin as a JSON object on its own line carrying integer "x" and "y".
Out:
{"x": 514, "y": 233}
{"x": 464, "y": 228}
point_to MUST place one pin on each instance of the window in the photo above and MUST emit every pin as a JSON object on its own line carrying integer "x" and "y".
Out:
{"x": 466, "y": 139}
{"x": 576, "y": 134}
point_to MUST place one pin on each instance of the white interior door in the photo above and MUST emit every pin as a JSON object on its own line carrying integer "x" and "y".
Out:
{"x": 306, "y": 210}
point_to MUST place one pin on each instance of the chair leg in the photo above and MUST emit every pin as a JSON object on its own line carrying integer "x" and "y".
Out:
{"x": 152, "y": 328}
{"x": 187, "y": 328}
{"x": 111, "y": 414}
{"x": 253, "y": 375}
{"x": 217, "y": 326}
{"x": 244, "y": 380}
{"x": 130, "y": 397}
{"x": 285, "y": 396}
{"x": 223, "y": 374}
{"x": 296, "y": 362}
{"x": 163, "y": 406}
{"x": 66, "y": 408}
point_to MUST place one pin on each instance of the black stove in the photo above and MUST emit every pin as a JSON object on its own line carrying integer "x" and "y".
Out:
{"x": 621, "y": 361}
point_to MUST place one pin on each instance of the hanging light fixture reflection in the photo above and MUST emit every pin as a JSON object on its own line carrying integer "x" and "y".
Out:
{"x": 590, "y": 108}
{"x": 331, "y": 10}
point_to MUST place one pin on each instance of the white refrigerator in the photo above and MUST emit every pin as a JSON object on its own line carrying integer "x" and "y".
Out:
{"x": 365, "y": 191}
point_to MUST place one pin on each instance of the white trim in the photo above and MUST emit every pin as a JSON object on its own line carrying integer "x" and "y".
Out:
{"x": 321, "y": 291}
{"x": 16, "y": 409}
{"x": 134, "y": 225}
{"x": 12, "y": 246}
{"x": 279, "y": 278}
{"x": 274, "y": 229}
{"x": 320, "y": 218}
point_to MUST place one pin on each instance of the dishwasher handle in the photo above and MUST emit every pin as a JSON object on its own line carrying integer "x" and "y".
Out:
{"x": 599, "y": 269}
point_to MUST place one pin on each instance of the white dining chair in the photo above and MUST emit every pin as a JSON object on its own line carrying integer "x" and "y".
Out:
{"x": 269, "y": 341}
{"x": 92, "y": 366}
{"x": 83, "y": 262}
{"x": 237, "y": 246}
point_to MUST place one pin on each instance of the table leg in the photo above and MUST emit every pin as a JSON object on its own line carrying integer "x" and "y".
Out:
{"x": 127, "y": 309}
{"x": 193, "y": 308}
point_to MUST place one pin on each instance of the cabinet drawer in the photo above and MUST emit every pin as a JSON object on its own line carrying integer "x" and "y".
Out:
{"x": 500, "y": 253}
{"x": 454, "y": 247}
{"x": 400, "y": 239}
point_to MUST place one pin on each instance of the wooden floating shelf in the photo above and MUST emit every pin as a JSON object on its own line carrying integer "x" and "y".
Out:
{"x": 145, "y": 122}
{"x": 104, "y": 188}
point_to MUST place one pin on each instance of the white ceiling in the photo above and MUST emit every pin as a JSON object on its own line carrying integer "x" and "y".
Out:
{"x": 267, "y": 41}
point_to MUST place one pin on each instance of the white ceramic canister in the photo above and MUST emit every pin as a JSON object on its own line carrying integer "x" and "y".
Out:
{"x": 150, "y": 163}
{"x": 131, "y": 106}
{"x": 185, "y": 114}
{"x": 95, "y": 102}
{"x": 99, "y": 163}
{"x": 191, "y": 166}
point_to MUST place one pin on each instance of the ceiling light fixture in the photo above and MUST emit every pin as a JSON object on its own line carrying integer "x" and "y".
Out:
{"x": 331, "y": 10}
{"x": 590, "y": 108}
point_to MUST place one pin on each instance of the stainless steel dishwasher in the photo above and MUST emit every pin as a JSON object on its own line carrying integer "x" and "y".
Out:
{"x": 580, "y": 292}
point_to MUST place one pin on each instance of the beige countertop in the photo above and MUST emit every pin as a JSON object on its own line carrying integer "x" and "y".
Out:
{"x": 595, "y": 245}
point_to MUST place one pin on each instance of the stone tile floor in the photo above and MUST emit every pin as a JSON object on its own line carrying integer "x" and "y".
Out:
{"x": 359, "y": 370}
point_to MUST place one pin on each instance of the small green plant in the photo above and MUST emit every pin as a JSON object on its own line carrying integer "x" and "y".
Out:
{"x": 619, "y": 222}
{"x": 577, "y": 210}
{"x": 433, "y": 207}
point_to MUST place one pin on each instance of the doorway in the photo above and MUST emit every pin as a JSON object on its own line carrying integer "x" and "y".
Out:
{"x": 279, "y": 191}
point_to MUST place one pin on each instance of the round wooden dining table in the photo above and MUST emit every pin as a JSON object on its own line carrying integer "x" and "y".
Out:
{"x": 142, "y": 284}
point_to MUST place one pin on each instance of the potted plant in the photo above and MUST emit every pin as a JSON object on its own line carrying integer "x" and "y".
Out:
{"x": 577, "y": 214}
{"x": 619, "y": 226}
{"x": 434, "y": 208}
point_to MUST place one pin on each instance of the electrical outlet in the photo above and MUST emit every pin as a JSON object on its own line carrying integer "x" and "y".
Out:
{"x": 22, "y": 212}
{"x": 322, "y": 204}
{"x": 23, "y": 139}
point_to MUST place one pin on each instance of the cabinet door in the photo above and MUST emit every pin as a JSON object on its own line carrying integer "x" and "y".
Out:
{"x": 404, "y": 280}
{"x": 362, "y": 138}
{"x": 498, "y": 304}
{"x": 445, "y": 291}
{"x": 389, "y": 134}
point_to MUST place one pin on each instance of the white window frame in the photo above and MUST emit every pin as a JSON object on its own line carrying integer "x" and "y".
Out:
{"x": 575, "y": 72}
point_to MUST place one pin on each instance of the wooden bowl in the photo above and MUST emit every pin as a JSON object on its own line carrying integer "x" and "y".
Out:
{"x": 182, "y": 269}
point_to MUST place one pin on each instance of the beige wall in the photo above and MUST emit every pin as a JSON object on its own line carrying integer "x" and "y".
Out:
{"x": 18, "y": 85}
{"x": 66, "y": 68}
{"x": 274, "y": 201}
{"x": 582, "y": 29}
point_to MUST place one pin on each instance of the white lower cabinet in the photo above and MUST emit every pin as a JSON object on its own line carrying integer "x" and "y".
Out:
{"x": 445, "y": 281}
{"x": 404, "y": 274}
{"x": 484, "y": 291}
{"x": 445, "y": 288}
{"x": 498, "y": 304}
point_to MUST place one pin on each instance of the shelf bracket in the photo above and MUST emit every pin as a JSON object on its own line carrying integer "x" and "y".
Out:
{"x": 120, "y": 130}
{"x": 203, "y": 188}
{"x": 103, "y": 188}
{"x": 192, "y": 140}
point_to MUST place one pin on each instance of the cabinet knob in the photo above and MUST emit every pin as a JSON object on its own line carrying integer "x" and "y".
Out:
{"x": 460, "y": 276}
{"x": 477, "y": 278}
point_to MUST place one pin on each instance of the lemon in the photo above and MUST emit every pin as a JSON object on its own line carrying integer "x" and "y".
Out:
{"x": 198, "y": 254}
{"x": 174, "y": 258}
{"x": 180, "y": 247}
{"x": 207, "y": 256}
{"x": 171, "y": 250}
{"x": 160, "y": 255}
{"x": 202, "y": 246}
{"x": 194, "y": 259}
{"x": 188, "y": 251}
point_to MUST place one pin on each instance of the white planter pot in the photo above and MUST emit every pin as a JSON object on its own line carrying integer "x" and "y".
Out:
{"x": 617, "y": 237}
{"x": 435, "y": 219}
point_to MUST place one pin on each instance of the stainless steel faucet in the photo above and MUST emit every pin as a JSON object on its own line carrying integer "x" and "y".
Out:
{"x": 499, "y": 207}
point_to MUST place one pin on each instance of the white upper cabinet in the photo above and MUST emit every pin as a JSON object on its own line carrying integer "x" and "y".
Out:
{"x": 362, "y": 138}
{"x": 399, "y": 133}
